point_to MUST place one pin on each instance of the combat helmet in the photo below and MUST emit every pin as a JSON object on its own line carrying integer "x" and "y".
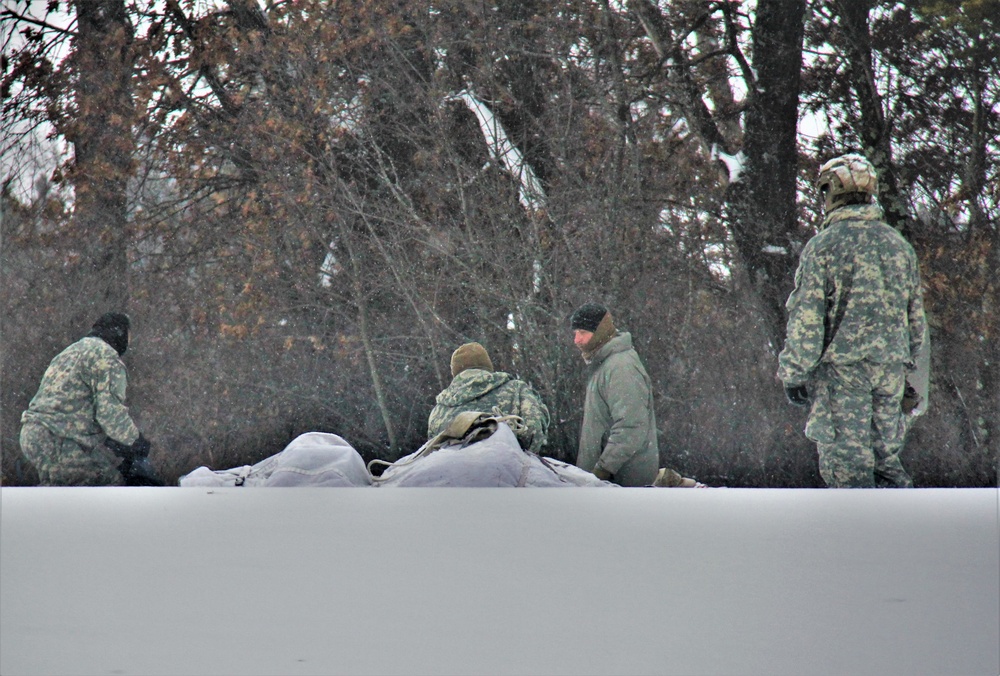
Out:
{"x": 848, "y": 179}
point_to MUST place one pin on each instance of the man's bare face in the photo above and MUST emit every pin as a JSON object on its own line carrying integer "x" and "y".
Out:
{"x": 582, "y": 337}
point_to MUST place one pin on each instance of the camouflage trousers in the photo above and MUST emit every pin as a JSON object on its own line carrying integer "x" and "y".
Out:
{"x": 858, "y": 425}
{"x": 63, "y": 462}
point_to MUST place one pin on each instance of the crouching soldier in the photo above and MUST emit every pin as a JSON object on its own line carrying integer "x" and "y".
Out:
{"x": 77, "y": 425}
{"x": 475, "y": 386}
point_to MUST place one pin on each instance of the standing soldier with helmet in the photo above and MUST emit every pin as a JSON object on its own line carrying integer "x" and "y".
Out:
{"x": 855, "y": 327}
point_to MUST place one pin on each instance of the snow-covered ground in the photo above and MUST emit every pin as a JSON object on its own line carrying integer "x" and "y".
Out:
{"x": 498, "y": 581}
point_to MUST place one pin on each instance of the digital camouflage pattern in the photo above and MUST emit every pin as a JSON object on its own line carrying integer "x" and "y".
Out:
{"x": 81, "y": 400}
{"x": 858, "y": 426}
{"x": 857, "y": 297}
{"x": 493, "y": 392}
{"x": 844, "y": 176}
{"x": 63, "y": 462}
{"x": 618, "y": 433}
{"x": 855, "y": 324}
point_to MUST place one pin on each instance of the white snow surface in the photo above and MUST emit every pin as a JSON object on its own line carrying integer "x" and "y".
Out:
{"x": 493, "y": 581}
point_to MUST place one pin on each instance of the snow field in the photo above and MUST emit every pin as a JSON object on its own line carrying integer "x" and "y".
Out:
{"x": 493, "y": 581}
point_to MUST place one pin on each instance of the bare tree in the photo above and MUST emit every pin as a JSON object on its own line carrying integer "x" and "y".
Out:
{"x": 761, "y": 163}
{"x": 324, "y": 199}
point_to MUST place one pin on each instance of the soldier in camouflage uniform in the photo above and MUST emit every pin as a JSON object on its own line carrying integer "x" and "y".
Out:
{"x": 475, "y": 386}
{"x": 78, "y": 423}
{"x": 855, "y": 324}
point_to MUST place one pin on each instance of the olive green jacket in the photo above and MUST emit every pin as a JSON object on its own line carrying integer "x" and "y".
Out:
{"x": 619, "y": 423}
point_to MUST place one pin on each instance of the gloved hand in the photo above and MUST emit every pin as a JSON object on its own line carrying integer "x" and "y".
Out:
{"x": 797, "y": 395}
{"x": 118, "y": 448}
{"x": 602, "y": 474}
{"x": 140, "y": 447}
{"x": 911, "y": 399}
{"x": 138, "y": 472}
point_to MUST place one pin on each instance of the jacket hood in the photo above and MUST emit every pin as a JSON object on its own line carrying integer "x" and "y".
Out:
{"x": 620, "y": 342}
{"x": 471, "y": 384}
{"x": 856, "y": 212}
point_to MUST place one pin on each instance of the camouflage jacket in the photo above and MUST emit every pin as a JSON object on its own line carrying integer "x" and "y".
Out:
{"x": 82, "y": 396}
{"x": 619, "y": 421}
{"x": 480, "y": 390}
{"x": 857, "y": 297}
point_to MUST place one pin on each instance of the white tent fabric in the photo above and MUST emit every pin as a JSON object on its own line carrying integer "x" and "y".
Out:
{"x": 311, "y": 459}
{"x": 495, "y": 462}
{"x": 321, "y": 459}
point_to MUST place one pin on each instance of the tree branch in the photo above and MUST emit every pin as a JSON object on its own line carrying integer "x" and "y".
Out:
{"x": 9, "y": 13}
{"x": 693, "y": 107}
{"x": 214, "y": 83}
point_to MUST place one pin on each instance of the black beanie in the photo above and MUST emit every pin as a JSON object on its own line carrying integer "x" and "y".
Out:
{"x": 588, "y": 317}
{"x": 112, "y": 328}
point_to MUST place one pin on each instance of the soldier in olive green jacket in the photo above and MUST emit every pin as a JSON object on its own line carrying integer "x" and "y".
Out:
{"x": 475, "y": 386}
{"x": 77, "y": 422}
{"x": 618, "y": 435}
{"x": 855, "y": 326}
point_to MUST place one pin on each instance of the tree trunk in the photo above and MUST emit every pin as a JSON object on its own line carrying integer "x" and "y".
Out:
{"x": 762, "y": 196}
{"x": 762, "y": 201}
{"x": 360, "y": 300}
{"x": 103, "y": 144}
{"x": 874, "y": 130}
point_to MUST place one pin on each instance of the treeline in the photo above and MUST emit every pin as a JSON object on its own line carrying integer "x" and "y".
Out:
{"x": 305, "y": 207}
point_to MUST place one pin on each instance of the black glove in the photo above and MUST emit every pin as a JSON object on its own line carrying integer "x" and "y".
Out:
{"x": 138, "y": 472}
{"x": 911, "y": 399}
{"x": 797, "y": 395}
{"x": 140, "y": 447}
{"x": 118, "y": 448}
